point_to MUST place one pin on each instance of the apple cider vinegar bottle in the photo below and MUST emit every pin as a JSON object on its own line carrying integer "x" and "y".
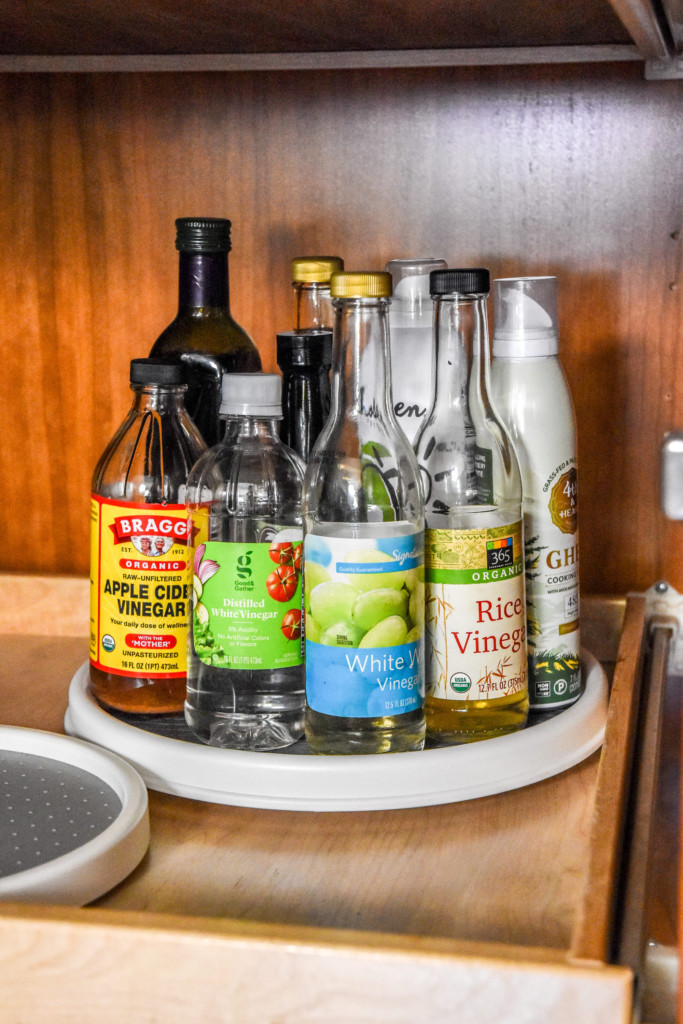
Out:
{"x": 475, "y": 620}
{"x": 140, "y": 569}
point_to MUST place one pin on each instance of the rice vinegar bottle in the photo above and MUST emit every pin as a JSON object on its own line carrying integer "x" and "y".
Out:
{"x": 474, "y": 561}
{"x": 363, "y": 546}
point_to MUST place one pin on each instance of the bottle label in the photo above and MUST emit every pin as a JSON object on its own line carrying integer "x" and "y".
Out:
{"x": 140, "y": 588}
{"x": 552, "y": 582}
{"x": 247, "y": 601}
{"x": 364, "y": 600}
{"x": 475, "y": 613}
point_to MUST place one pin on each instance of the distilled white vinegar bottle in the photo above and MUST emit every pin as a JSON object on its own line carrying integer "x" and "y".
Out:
{"x": 531, "y": 394}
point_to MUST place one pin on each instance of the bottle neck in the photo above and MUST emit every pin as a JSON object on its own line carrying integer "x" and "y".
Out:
{"x": 163, "y": 399}
{"x": 309, "y": 370}
{"x": 255, "y": 428}
{"x": 361, "y": 383}
{"x": 313, "y": 306}
{"x": 203, "y": 281}
{"x": 462, "y": 354}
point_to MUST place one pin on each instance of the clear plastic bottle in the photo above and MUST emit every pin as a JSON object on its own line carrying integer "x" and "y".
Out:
{"x": 245, "y": 685}
{"x": 531, "y": 393}
{"x": 204, "y": 334}
{"x": 474, "y": 566}
{"x": 411, "y": 322}
{"x": 364, "y": 546}
{"x": 140, "y": 572}
{"x": 311, "y": 282}
{"x": 305, "y": 358}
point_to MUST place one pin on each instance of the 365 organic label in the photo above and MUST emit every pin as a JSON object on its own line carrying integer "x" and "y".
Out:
{"x": 247, "y": 601}
{"x": 140, "y": 588}
{"x": 364, "y": 625}
{"x": 475, "y": 613}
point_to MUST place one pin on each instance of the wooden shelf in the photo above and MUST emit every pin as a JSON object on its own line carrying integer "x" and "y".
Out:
{"x": 471, "y": 910}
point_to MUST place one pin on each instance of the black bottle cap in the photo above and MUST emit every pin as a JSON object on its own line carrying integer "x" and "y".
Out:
{"x": 471, "y": 280}
{"x": 156, "y": 370}
{"x": 304, "y": 348}
{"x": 202, "y": 234}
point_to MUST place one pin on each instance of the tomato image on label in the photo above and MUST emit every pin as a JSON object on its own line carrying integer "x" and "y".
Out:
{"x": 282, "y": 584}
{"x": 282, "y": 553}
{"x": 291, "y": 624}
{"x": 247, "y": 616}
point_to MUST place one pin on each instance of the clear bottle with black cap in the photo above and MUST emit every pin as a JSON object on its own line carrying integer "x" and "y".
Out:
{"x": 204, "y": 335}
{"x": 141, "y": 572}
{"x": 305, "y": 358}
{"x": 474, "y": 557}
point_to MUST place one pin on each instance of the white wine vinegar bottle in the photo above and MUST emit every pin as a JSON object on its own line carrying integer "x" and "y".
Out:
{"x": 474, "y": 565}
{"x": 363, "y": 546}
{"x": 531, "y": 393}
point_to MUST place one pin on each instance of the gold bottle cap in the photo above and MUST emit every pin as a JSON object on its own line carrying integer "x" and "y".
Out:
{"x": 370, "y": 284}
{"x": 315, "y": 269}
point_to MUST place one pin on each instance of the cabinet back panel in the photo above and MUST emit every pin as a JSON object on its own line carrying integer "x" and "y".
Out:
{"x": 566, "y": 170}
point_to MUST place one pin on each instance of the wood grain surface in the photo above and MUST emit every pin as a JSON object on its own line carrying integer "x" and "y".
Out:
{"x": 259, "y": 26}
{"x": 573, "y": 171}
{"x": 434, "y": 871}
{"x": 466, "y": 911}
{"x": 594, "y": 921}
{"x": 99, "y": 969}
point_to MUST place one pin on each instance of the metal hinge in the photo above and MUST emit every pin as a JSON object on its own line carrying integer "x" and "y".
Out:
{"x": 664, "y": 67}
{"x": 664, "y": 607}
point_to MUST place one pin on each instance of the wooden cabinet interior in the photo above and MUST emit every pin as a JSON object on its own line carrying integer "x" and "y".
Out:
{"x": 569, "y": 169}
{"x": 259, "y": 26}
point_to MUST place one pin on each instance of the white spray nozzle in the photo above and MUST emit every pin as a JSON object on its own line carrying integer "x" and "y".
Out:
{"x": 525, "y": 317}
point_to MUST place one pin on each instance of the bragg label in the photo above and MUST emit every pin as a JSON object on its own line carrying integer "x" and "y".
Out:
{"x": 140, "y": 588}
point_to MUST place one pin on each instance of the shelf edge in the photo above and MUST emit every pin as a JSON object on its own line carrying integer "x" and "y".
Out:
{"x": 370, "y": 59}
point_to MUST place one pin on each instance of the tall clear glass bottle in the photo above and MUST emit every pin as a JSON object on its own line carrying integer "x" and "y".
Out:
{"x": 474, "y": 562}
{"x": 364, "y": 544}
{"x": 140, "y": 573}
{"x": 204, "y": 336}
{"x": 245, "y": 684}
{"x": 311, "y": 283}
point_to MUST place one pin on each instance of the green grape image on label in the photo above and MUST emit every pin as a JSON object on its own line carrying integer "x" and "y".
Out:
{"x": 331, "y": 602}
{"x": 372, "y": 609}
{"x": 372, "y": 606}
{"x": 374, "y": 580}
{"x": 388, "y": 633}
{"x": 342, "y": 634}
